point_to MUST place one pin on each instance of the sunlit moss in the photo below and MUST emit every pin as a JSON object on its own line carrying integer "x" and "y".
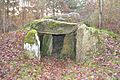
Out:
{"x": 30, "y": 37}
{"x": 48, "y": 17}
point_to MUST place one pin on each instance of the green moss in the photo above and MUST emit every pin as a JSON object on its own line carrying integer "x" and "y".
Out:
{"x": 112, "y": 34}
{"x": 30, "y": 37}
{"x": 50, "y": 25}
{"x": 69, "y": 46}
{"x": 33, "y": 25}
{"x": 48, "y": 17}
{"x": 47, "y": 45}
{"x": 54, "y": 23}
{"x": 28, "y": 55}
{"x": 61, "y": 31}
{"x": 102, "y": 31}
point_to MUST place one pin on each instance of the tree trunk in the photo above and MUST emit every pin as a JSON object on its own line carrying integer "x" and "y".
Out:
{"x": 42, "y": 13}
{"x": 7, "y": 16}
{"x": 53, "y": 8}
{"x": 23, "y": 13}
{"x": 4, "y": 20}
{"x": 100, "y": 13}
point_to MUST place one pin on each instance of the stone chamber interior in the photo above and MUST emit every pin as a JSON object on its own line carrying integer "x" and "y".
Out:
{"x": 57, "y": 43}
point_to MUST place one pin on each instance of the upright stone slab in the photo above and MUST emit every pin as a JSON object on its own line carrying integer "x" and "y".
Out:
{"x": 32, "y": 44}
{"x": 86, "y": 43}
{"x": 47, "y": 45}
{"x": 68, "y": 49}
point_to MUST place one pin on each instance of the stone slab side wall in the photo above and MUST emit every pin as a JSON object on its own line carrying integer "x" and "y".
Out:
{"x": 47, "y": 45}
{"x": 85, "y": 44}
{"x": 68, "y": 49}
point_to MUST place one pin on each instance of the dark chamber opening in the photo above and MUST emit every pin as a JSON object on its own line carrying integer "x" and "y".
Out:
{"x": 58, "y": 41}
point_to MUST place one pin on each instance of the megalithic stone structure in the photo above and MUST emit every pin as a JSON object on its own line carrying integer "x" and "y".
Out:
{"x": 77, "y": 41}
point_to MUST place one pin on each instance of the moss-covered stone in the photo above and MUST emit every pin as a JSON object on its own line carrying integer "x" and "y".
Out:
{"x": 30, "y": 37}
{"x": 90, "y": 42}
{"x": 68, "y": 49}
{"x": 32, "y": 44}
{"x": 50, "y": 26}
{"x": 28, "y": 55}
{"x": 47, "y": 45}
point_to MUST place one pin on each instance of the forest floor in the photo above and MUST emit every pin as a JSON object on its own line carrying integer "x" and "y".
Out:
{"x": 15, "y": 66}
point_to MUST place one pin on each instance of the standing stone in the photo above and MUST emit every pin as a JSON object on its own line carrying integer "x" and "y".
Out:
{"x": 68, "y": 49}
{"x": 32, "y": 44}
{"x": 86, "y": 43}
{"x": 47, "y": 44}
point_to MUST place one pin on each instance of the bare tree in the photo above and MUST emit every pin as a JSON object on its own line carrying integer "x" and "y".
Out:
{"x": 100, "y": 13}
{"x": 4, "y": 19}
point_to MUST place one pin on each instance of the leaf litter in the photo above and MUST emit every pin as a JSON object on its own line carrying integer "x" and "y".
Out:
{"x": 13, "y": 66}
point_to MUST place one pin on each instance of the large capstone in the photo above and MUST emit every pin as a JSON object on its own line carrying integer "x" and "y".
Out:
{"x": 50, "y": 26}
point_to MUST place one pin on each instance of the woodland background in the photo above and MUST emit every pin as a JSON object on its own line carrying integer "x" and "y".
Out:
{"x": 14, "y": 65}
{"x": 101, "y": 13}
